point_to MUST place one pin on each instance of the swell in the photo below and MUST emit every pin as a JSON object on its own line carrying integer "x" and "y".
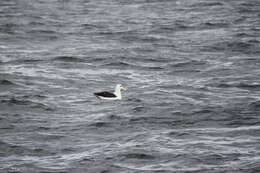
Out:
{"x": 9, "y": 28}
{"x": 135, "y": 36}
{"x": 241, "y": 85}
{"x": 5, "y": 82}
{"x": 8, "y": 149}
{"x": 42, "y": 32}
{"x": 13, "y": 101}
{"x": 24, "y": 61}
{"x": 127, "y": 65}
{"x": 213, "y": 25}
{"x": 137, "y": 155}
{"x": 43, "y": 35}
{"x": 248, "y": 7}
{"x": 68, "y": 59}
{"x": 117, "y": 64}
{"x": 63, "y": 58}
{"x": 157, "y": 121}
{"x": 234, "y": 115}
{"x": 189, "y": 66}
{"x": 207, "y": 4}
{"x": 255, "y": 106}
{"x": 139, "y": 38}
{"x": 246, "y": 47}
{"x": 181, "y": 26}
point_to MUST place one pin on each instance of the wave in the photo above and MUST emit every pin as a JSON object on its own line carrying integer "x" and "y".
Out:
{"x": 191, "y": 63}
{"x": 211, "y": 25}
{"x": 163, "y": 121}
{"x": 242, "y": 115}
{"x": 248, "y": 7}
{"x": 30, "y": 61}
{"x": 88, "y": 26}
{"x": 132, "y": 66}
{"x": 248, "y": 4}
{"x": 144, "y": 59}
{"x": 254, "y": 41}
{"x": 42, "y": 32}
{"x": 16, "y": 101}
{"x": 241, "y": 85}
{"x": 7, "y": 83}
{"x": 8, "y": 150}
{"x": 68, "y": 59}
{"x": 43, "y": 35}
{"x": 233, "y": 46}
{"x": 24, "y": 61}
{"x": 139, "y": 109}
{"x": 136, "y": 155}
{"x": 156, "y": 68}
{"x": 249, "y": 86}
{"x": 136, "y": 100}
{"x": 114, "y": 117}
{"x": 255, "y": 106}
{"x": 191, "y": 66}
{"x": 100, "y": 124}
{"x": 96, "y": 59}
{"x": 171, "y": 27}
{"x": 9, "y": 28}
{"x": 207, "y": 4}
{"x": 134, "y": 36}
{"x": 242, "y": 34}
{"x": 22, "y": 102}
{"x": 251, "y": 167}
{"x": 50, "y": 136}
{"x": 181, "y": 26}
{"x": 245, "y": 121}
{"x": 36, "y": 23}
{"x": 35, "y": 96}
{"x": 117, "y": 64}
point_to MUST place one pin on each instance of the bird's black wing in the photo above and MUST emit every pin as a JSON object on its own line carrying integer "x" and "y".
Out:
{"x": 105, "y": 94}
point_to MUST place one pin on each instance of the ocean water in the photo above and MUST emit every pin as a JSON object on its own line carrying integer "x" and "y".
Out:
{"x": 192, "y": 69}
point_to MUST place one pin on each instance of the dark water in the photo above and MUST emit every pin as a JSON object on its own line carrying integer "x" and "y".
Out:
{"x": 192, "y": 69}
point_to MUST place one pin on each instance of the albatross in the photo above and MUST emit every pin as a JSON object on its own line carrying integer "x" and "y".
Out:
{"x": 105, "y": 95}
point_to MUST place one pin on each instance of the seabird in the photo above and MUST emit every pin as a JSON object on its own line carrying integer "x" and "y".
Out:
{"x": 111, "y": 96}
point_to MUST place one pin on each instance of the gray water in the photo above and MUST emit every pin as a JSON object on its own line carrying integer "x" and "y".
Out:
{"x": 192, "y": 69}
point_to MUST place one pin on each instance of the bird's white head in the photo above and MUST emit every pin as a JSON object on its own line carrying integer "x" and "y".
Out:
{"x": 120, "y": 88}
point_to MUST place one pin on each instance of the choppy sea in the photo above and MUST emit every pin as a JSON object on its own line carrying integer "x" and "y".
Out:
{"x": 192, "y": 69}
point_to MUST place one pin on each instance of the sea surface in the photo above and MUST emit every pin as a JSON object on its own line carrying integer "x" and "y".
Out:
{"x": 192, "y": 69}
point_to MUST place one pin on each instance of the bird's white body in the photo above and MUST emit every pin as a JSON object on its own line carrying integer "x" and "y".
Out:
{"x": 111, "y": 96}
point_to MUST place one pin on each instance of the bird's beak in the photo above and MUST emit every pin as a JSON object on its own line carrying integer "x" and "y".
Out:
{"x": 123, "y": 89}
